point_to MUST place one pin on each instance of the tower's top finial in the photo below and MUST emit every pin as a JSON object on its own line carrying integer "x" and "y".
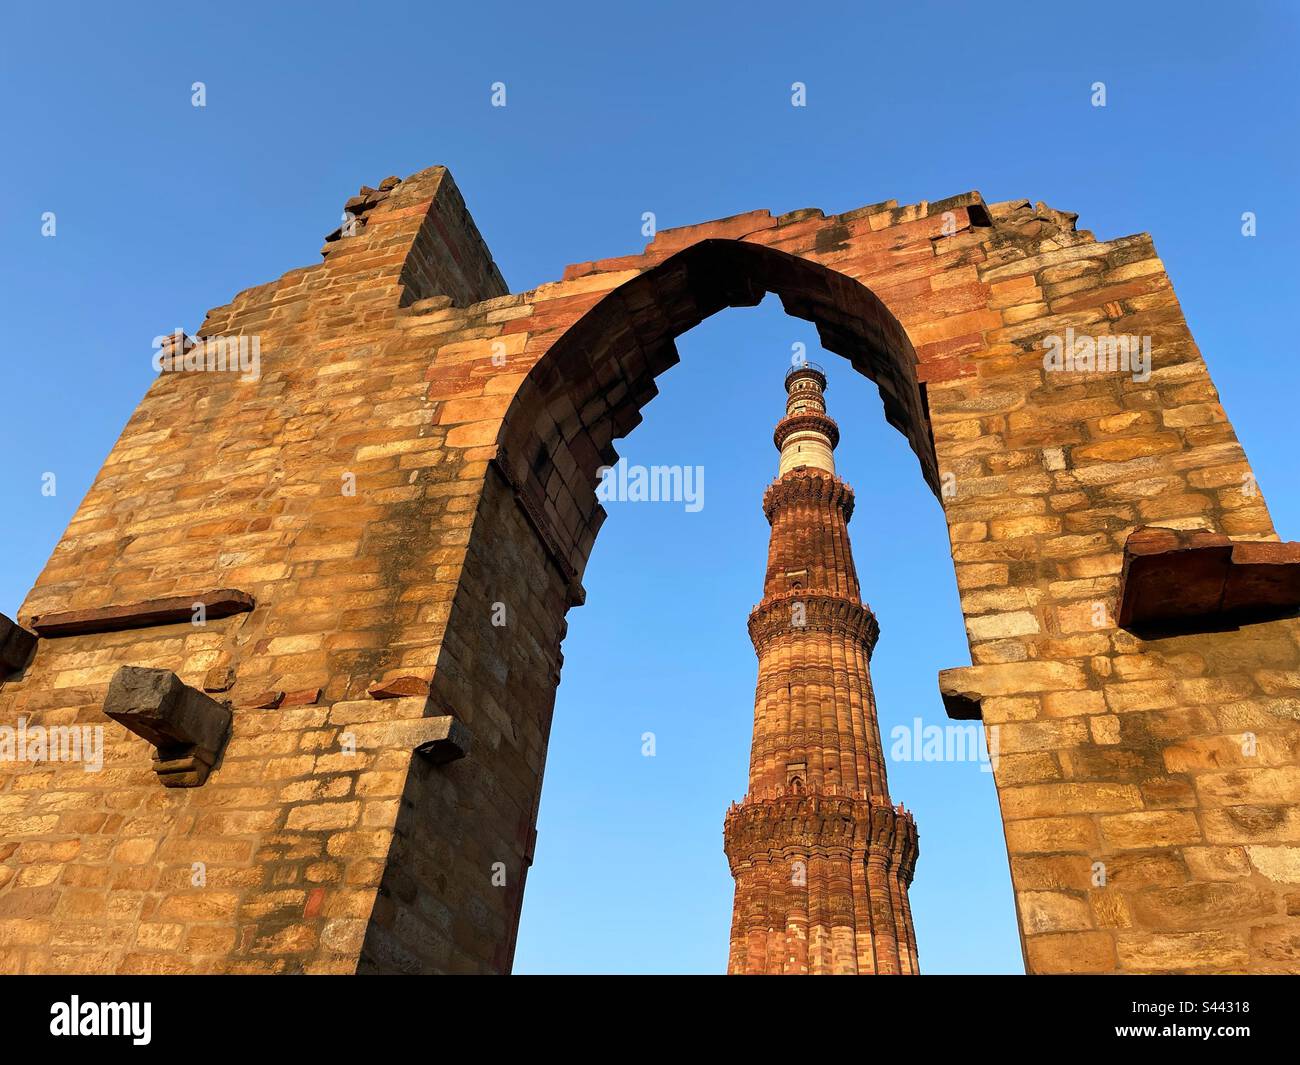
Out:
{"x": 806, "y": 436}
{"x": 805, "y": 371}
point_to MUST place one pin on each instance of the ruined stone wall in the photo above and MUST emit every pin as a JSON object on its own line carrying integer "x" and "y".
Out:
{"x": 472, "y": 423}
{"x": 218, "y": 483}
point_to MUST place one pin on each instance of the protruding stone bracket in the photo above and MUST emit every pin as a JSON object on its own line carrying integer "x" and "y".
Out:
{"x": 440, "y": 738}
{"x": 219, "y": 603}
{"x": 17, "y": 646}
{"x": 447, "y": 740}
{"x": 400, "y": 686}
{"x": 960, "y": 698}
{"x": 989, "y": 691}
{"x": 187, "y": 728}
{"x": 1194, "y": 580}
{"x": 172, "y": 348}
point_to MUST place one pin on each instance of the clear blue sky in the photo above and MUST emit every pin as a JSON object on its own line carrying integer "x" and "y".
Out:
{"x": 164, "y": 210}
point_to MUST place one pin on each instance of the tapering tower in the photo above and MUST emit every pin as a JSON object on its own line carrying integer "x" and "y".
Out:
{"x": 822, "y": 858}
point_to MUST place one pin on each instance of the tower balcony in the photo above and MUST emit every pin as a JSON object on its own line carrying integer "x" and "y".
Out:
{"x": 808, "y": 485}
{"x": 810, "y": 822}
{"x": 802, "y": 611}
{"x": 808, "y": 422}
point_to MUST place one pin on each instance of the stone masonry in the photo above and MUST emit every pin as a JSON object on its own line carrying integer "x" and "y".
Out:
{"x": 419, "y": 454}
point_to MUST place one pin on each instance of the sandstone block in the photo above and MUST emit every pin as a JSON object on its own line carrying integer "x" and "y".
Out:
{"x": 1182, "y": 952}
{"x": 1071, "y": 952}
{"x": 187, "y": 727}
{"x": 1151, "y": 828}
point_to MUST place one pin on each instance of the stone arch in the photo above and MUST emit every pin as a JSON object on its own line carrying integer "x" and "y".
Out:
{"x": 538, "y": 515}
{"x": 1103, "y": 744}
{"x": 588, "y": 389}
{"x": 1118, "y": 665}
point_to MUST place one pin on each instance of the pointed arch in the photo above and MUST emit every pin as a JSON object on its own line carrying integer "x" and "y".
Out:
{"x": 587, "y": 390}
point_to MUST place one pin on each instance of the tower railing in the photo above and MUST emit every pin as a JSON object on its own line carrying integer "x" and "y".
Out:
{"x": 803, "y": 366}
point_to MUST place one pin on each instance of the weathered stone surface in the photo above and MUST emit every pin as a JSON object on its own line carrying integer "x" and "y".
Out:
{"x": 187, "y": 728}
{"x": 422, "y": 444}
{"x": 960, "y": 699}
{"x": 398, "y": 687}
{"x": 1054, "y": 911}
{"x": 219, "y": 679}
{"x": 1277, "y": 863}
{"x": 1194, "y": 578}
{"x": 444, "y": 740}
{"x": 965, "y": 688}
{"x": 1185, "y": 952}
{"x": 1201, "y": 905}
{"x": 1074, "y": 952}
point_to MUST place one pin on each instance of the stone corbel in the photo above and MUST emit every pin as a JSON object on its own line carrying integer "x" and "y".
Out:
{"x": 1199, "y": 581}
{"x": 187, "y": 728}
{"x": 978, "y": 693}
{"x": 445, "y": 740}
{"x": 17, "y": 646}
{"x": 438, "y": 739}
{"x": 960, "y": 697}
{"x": 218, "y": 603}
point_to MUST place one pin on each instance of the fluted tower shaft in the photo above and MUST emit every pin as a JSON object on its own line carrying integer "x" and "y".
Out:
{"x": 821, "y": 856}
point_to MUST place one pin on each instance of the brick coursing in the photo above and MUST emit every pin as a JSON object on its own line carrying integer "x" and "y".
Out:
{"x": 1141, "y": 835}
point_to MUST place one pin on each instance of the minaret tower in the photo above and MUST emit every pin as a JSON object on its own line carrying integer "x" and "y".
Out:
{"x": 822, "y": 858}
